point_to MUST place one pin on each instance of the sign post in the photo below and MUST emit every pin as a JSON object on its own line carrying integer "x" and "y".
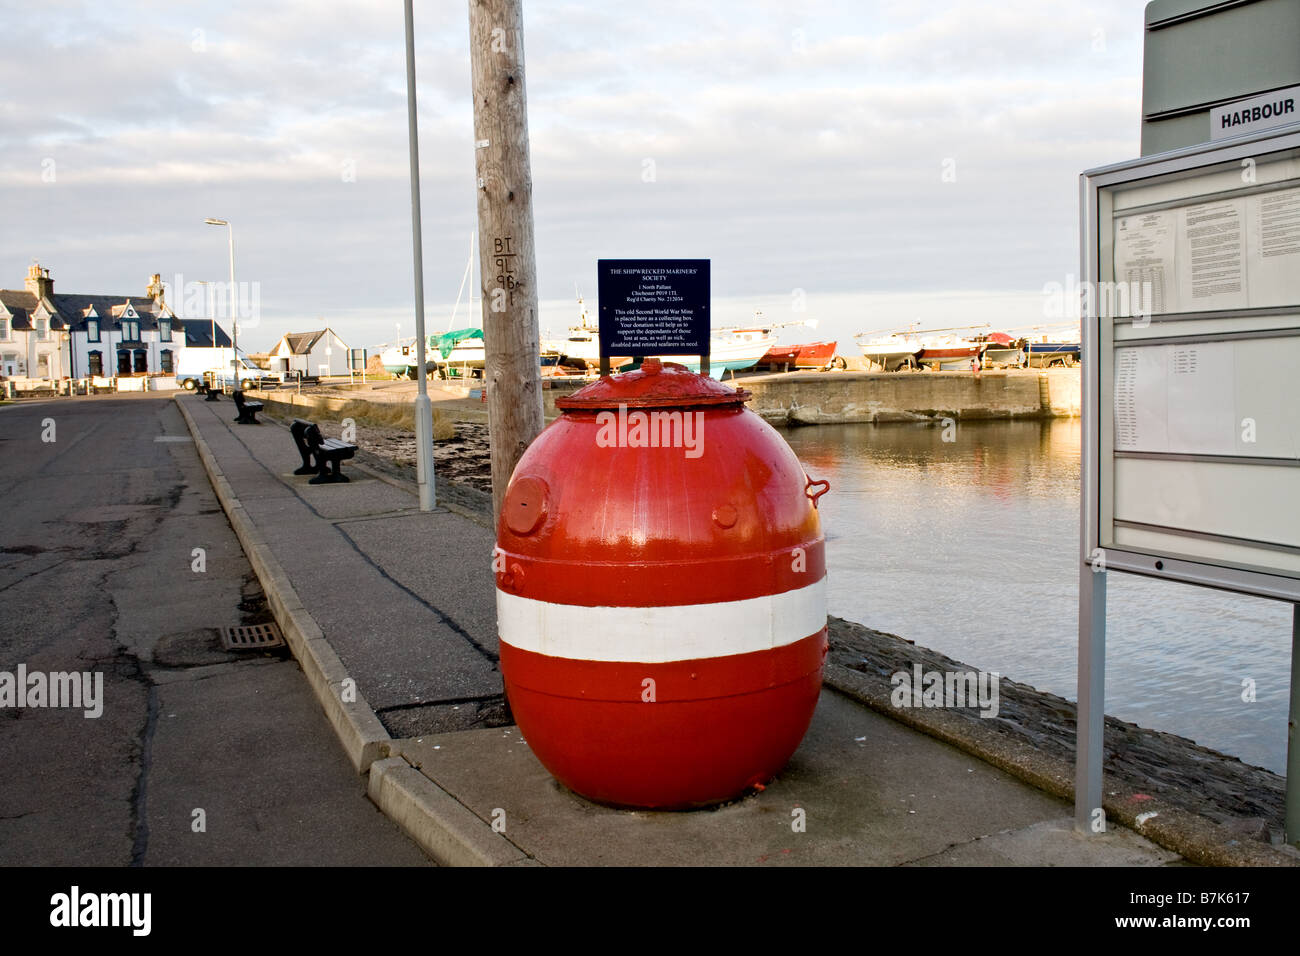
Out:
{"x": 1191, "y": 388}
{"x": 654, "y": 307}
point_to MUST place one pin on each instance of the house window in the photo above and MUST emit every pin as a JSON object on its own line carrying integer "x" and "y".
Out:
{"x": 96, "y": 362}
{"x": 165, "y": 361}
{"x": 141, "y": 360}
{"x": 42, "y": 330}
{"x": 130, "y": 330}
{"x": 165, "y": 330}
{"x": 4, "y": 330}
{"x": 92, "y": 330}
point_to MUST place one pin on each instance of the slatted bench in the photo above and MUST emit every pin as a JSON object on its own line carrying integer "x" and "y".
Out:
{"x": 328, "y": 453}
{"x": 298, "y": 429}
{"x": 247, "y": 409}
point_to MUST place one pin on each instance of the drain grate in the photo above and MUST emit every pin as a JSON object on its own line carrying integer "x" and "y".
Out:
{"x": 251, "y": 637}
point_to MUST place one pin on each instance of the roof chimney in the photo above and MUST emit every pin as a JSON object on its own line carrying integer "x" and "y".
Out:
{"x": 38, "y": 281}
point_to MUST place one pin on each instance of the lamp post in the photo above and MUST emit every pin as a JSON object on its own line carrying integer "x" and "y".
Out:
{"x": 234, "y": 298}
{"x": 423, "y": 408}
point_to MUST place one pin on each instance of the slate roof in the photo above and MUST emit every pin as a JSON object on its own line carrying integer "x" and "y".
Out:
{"x": 301, "y": 343}
{"x": 72, "y": 306}
{"x": 198, "y": 334}
{"x": 19, "y": 305}
{"x": 69, "y": 312}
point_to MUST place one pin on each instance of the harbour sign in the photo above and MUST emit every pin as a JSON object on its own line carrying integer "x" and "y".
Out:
{"x": 1258, "y": 112}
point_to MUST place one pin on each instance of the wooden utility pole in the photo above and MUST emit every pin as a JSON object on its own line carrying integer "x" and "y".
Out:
{"x": 508, "y": 267}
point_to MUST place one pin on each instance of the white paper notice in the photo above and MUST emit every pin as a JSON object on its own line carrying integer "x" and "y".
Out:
{"x": 1212, "y": 256}
{"x": 1141, "y": 399}
{"x": 1201, "y": 398}
{"x": 1273, "y": 260}
{"x": 1177, "y": 399}
{"x": 1144, "y": 264}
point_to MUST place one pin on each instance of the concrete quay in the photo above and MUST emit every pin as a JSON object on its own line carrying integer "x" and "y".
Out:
{"x": 794, "y": 398}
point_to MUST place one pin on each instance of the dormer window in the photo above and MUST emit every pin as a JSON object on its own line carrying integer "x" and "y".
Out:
{"x": 165, "y": 330}
{"x": 131, "y": 330}
{"x": 92, "y": 330}
{"x": 42, "y": 329}
{"x": 4, "y": 329}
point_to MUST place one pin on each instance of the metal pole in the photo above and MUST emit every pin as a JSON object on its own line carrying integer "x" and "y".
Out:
{"x": 1090, "y": 729}
{"x": 234, "y": 311}
{"x": 423, "y": 409}
{"x": 1292, "y": 741}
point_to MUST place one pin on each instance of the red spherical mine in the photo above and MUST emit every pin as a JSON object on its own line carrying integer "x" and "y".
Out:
{"x": 661, "y": 595}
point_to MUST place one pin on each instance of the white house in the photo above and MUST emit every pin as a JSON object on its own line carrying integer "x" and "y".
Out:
{"x": 311, "y": 353}
{"x": 49, "y": 335}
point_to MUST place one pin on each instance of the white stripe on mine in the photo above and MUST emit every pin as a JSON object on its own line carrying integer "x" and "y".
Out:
{"x": 657, "y": 635}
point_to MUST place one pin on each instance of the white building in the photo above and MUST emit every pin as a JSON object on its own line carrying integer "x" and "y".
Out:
{"x": 311, "y": 353}
{"x": 49, "y": 335}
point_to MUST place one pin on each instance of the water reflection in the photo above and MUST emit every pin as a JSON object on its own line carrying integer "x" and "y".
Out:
{"x": 967, "y": 546}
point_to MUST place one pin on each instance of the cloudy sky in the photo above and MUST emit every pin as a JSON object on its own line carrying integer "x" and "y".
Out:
{"x": 895, "y": 161}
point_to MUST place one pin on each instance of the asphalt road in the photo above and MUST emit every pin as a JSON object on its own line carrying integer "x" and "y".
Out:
{"x": 200, "y": 756}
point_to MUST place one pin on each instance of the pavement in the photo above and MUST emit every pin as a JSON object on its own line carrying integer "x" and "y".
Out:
{"x": 116, "y": 560}
{"x": 391, "y": 614}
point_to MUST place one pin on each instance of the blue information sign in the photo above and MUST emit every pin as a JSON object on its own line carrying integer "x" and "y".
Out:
{"x": 654, "y": 306}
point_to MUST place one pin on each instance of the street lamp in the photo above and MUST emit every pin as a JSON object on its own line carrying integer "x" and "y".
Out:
{"x": 423, "y": 408}
{"x": 234, "y": 315}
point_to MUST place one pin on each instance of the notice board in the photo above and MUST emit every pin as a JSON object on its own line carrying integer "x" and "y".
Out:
{"x": 1191, "y": 364}
{"x": 654, "y": 306}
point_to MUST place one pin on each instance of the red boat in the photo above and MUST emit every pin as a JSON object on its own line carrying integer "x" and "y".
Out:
{"x": 779, "y": 355}
{"x": 815, "y": 354}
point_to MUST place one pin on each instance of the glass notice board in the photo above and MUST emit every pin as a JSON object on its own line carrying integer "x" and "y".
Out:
{"x": 1191, "y": 364}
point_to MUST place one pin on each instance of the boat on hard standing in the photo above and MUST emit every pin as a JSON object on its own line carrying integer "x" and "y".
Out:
{"x": 399, "y": 358}
{"x": 949, "y": 350}
{"x": 892, "y": 352}
{"x": 580, "y": 347}
{"x": 817, "y": 355}
{"x": 730, "y": 349}
{"x": 1047, "y": 354}
{"x": 1002, "y": 350}
{"x": 461, "y": 348}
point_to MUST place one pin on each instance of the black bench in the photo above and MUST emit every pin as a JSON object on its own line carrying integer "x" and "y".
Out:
{"x": 247, "y": 410}
{"x": 298, "y": 429}
{"x": 327, "y": 453}
{"x": 213, "y": 393}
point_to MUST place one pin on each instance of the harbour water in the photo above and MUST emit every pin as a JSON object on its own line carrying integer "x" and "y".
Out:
{"x": 968, "y": 547}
